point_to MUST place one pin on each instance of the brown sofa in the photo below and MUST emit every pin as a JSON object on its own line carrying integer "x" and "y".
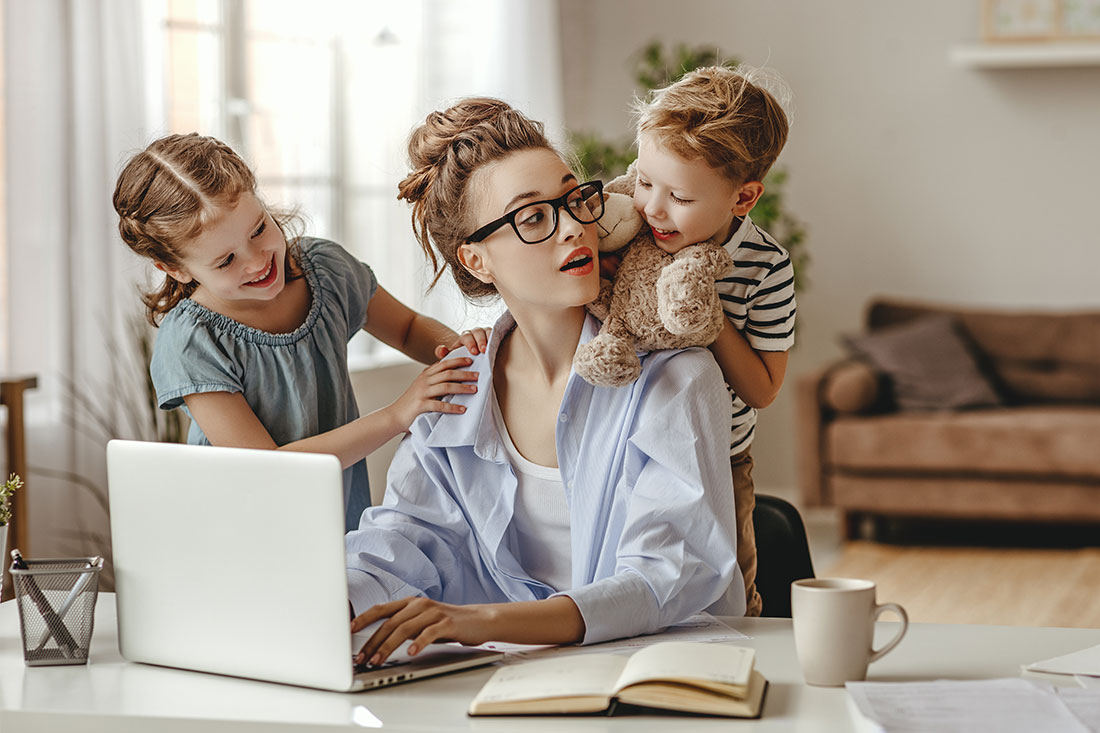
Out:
{"x": 1035, "y": 457}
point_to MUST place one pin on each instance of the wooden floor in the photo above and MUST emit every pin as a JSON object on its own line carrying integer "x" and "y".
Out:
{"x": 976, "y": 585}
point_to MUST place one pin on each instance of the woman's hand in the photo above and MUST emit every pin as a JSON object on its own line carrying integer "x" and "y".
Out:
{"x": 442, "y": 378}
{"x": 423, "y": 621}
{"x": 475, "y": 340}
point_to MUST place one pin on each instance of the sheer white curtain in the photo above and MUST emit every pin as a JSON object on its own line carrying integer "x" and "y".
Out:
{"x": 510, "y": 49}
{"x": 86, "y": 88}
{"x": 76, "y": 104}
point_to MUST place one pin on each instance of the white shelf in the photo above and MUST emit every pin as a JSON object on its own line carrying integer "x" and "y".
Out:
{"x": 1027, "y": 55}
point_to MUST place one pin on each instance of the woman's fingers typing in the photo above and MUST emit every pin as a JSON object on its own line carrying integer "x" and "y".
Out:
{"x": 403, "y": 619}
{"x": 420, "y": 621}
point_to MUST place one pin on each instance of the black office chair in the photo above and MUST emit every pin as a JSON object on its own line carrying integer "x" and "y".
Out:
{"x": 782, "y": 553}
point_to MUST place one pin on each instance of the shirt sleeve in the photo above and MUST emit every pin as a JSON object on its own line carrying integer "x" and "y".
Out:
{"x": 345, "y": 282}
{"x": 771, "y": 311}
{"x": 677, "y": 554}
{"x": 188, "y": 358}
{"x": 418, "y": 542}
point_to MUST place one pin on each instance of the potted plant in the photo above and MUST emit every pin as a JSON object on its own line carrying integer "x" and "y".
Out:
{"x": 8, "y": 488}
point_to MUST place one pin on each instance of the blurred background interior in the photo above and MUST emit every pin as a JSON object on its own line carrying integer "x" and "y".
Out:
{"x": 943, "y": 162}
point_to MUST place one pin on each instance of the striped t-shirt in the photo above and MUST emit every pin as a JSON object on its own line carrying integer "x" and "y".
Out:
{"x": 758, "y": 298}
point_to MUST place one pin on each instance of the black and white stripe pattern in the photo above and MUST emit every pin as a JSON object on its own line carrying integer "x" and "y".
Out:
{"x": 758, "y": 298}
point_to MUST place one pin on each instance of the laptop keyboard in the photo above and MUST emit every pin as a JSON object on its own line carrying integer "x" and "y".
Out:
{"x": 364, "y": 667}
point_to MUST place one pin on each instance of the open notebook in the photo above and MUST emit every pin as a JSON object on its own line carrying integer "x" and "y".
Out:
{"x": 708, "y": 679}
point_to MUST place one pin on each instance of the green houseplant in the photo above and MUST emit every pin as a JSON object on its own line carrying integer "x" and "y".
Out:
{"x": 655, "y": 67}
{"x": 9, "y": 487}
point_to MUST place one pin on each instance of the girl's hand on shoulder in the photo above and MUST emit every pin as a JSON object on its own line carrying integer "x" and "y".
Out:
{"x": 423, "y": 395}
{"x": 422, "y": 621}
{"x": 475, "y": 340}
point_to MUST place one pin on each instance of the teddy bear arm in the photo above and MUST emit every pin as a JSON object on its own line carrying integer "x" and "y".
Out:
{"x": 601, "y": 306}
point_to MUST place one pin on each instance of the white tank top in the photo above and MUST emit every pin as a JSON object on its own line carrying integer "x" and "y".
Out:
{"x": 541, "y": 516}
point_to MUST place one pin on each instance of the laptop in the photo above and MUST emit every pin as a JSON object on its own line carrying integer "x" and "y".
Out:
{"x": 231, "y": 561}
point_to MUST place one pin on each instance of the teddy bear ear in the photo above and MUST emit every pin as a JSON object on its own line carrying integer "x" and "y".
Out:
{"x": 620, "y": 222}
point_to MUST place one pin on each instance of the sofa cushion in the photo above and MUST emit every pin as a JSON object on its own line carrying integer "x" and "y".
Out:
{"x": 1036, "y": 356}
{"x": 929, "y": 364}
{"x": 851, "y": 386}
{"x": 1025, "y": 441}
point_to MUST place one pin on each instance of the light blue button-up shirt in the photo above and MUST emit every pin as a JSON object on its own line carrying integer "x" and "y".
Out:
{"x": 646, "y": 472}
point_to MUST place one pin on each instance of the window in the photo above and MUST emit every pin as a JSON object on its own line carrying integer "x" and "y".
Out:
{"x": 4, "y": 308}
{"x": 320, "y": 102}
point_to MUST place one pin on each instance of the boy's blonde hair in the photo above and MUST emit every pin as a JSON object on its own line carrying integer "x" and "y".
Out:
{"x": 724, "y": 116}
{"x": 168, "y": 193}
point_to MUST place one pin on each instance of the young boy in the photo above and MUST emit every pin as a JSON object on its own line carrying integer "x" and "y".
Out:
{"x": 704, "y": 146}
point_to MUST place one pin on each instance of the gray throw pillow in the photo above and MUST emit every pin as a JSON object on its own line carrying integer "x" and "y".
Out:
{"x": 929, "y": 363}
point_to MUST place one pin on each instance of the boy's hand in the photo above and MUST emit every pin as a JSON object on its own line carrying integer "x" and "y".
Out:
{"x": 475, "y": 340}
{"x": 439, "y": 379}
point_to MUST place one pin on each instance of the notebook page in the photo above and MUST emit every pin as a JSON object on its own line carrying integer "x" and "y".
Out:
{"x": 724, "y": 663}
{"x": 592, "y": 675}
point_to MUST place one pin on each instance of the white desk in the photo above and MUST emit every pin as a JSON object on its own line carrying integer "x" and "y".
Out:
{"x": 110, "y": 694}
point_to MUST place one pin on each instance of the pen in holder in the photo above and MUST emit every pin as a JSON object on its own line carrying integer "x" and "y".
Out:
{"x": 56, "y": 600}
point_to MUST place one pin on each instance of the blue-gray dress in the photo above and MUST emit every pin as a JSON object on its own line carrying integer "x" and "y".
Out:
{"x": 297, "y": 383}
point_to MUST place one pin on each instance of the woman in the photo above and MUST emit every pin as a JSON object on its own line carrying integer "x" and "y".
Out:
{"x": 551, "y": 511}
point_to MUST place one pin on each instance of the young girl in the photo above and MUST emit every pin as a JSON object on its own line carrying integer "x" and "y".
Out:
{"x": 254, "y": 324}
{"x": 551, "y": 511}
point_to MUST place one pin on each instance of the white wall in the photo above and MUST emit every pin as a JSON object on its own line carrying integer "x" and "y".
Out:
{"x": 376, "y": 388}
{"x": 914, "y": 177}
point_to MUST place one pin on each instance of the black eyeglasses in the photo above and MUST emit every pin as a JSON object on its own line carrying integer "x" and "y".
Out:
{"x": 536, "y": 222}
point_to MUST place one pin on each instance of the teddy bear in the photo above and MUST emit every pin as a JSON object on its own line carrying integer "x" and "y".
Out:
{"x": 656, "y": 301}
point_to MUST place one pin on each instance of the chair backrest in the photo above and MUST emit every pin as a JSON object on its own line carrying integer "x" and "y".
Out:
{"x": 782, "y": 553}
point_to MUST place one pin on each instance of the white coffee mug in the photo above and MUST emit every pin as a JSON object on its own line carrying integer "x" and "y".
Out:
{"x": 834, "y": 628}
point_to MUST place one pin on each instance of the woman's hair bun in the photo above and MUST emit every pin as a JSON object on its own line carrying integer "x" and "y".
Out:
{"x": 445, "y": 151}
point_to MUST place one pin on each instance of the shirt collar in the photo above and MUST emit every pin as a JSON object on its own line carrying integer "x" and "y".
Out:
{"x": 739, "y": 236}
{"x": 476, "y": 426}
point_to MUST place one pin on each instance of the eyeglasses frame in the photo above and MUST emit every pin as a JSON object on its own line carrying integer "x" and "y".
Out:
{"x": 555, "y": 204}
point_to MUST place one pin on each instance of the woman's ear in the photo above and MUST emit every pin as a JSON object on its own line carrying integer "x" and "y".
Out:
{"x": 179, "y": 275}
{"x": 746, "y": 196}
{"x": 472, "y": 257}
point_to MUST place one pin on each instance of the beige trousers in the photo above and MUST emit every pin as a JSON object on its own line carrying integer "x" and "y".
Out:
{"x": 744, "y": 500}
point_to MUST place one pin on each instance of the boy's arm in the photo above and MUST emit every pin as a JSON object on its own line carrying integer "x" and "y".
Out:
{"x": 755, "y": 376}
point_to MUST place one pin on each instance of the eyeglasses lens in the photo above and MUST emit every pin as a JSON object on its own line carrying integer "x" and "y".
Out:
{"x": 537, "y": 222}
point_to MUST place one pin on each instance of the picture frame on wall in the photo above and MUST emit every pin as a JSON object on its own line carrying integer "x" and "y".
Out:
{"x": 1081, "y": 19}
{"x": 1021, "y": 20}
{"x": 1040, "y": 20}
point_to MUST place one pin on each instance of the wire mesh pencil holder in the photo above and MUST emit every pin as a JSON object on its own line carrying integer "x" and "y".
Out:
{"x": 56, "y": 600}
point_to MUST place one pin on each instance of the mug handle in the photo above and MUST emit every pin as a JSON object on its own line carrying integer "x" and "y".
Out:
{"x": 877, "y": 654}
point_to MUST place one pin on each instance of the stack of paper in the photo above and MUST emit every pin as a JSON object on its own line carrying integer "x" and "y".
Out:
{"x": 1085, "y": 662}
{"x": 950, "y": 706}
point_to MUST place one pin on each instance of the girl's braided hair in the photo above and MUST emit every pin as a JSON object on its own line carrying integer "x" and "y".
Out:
{"x": 168, "y": 193}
